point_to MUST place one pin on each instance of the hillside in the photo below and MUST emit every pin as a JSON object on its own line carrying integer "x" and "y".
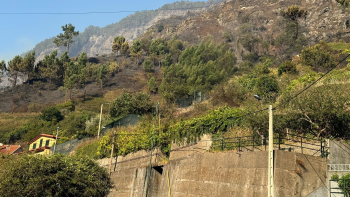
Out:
{"x": 216, "y": 62}
{"x": 234, "y": 21}
{"x": 98, "y": 40}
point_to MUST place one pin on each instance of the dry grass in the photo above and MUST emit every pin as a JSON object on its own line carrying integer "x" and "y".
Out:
{"x": 110, "y": 96}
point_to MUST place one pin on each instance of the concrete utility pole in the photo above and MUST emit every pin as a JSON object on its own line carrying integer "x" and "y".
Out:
{"x": 99, "y": 125}
{"x": 110, "y": 162}
{"x": 270, "y": 167}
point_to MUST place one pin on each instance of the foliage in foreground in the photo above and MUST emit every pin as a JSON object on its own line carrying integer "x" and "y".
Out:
{"x": 55, "y": 175}
{"x": 343, "y": 183}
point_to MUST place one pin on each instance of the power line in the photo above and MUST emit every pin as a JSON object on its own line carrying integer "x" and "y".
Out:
{"x": 313, "y": 83}
{"x": 317, "y": 173}
{"x": 85, "y": 13}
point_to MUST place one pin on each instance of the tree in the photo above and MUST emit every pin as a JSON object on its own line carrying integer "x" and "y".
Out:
{"x": 293, "y": 13}
{"x": 54, "y": 175}
{"x": 168, "y": 60}
{"x": 71, "y": 77}
{"x": 2, "y": 69}
{"x": 27, "y": 65}
{"x": 14, "y": 66}
{"x": 158, "y": 49}
{"x": 148, "y": 65}
{"x": 117, "y": 43}
{"x": 50, "y": 66}
{"x": 267, "y": 87}
{"x": 101, "y": 74}
{"x": 66, "y": 38}
{"x": 125, "y": 48}
{"x": 51, "y": 113}
{"x": 152, "y": 84}
{"x": 322, "y": 111}
{"x": 136, "y": 50}
{"x": 317, "y": 58}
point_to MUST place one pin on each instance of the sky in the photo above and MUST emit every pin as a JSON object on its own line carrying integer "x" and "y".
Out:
{"x": 19, "y": 33}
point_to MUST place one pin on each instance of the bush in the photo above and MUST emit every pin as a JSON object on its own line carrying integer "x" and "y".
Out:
{"x": 317, "y": 58}
{"x": 266, "y": 87}
{"x": 139, "y": 103}
{"x": 54, "y": 175}
{"x": 287, "y": 67}
{"x": 152, "y": 84}
{"x": 160, "y": 28}
{"x": 51, "y": 113}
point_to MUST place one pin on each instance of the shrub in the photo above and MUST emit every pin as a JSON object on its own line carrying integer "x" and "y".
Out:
{"x": 266, "y": 87}
{"x": 287, "y": 67}
{"x": 160, "y": 28}
{"x": 139, "y": 103}
{"x": 51, "y": 113}
{"x": 54, "y": 175}
{"x": 152, "y": 84}
{"x": 317, "y": 58}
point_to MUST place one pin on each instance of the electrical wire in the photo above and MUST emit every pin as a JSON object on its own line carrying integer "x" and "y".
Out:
{"x": 317, "y": 173}
{"x": 85, "y": 13}
{"x": 313, "y": 83}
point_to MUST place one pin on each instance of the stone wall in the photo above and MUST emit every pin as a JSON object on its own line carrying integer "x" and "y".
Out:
{"x": 223, "y": 174}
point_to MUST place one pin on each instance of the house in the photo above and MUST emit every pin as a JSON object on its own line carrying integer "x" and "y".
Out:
{"x": 42, "y": 143}
{"x": 11, "y": 149}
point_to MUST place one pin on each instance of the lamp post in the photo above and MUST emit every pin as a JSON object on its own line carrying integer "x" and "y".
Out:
{"x": 54, "y": 148}
{"x": 99, "y": 125}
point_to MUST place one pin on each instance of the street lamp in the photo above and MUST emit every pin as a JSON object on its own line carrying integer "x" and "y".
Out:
{"x": 99, "y": 125}
{"x": 54, "y": 148}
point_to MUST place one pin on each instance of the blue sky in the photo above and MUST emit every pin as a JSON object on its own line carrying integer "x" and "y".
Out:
{"x": 20, "y": 33}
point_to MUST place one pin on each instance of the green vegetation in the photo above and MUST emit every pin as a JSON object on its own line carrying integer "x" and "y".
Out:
{"x": 127, "y": 103}
{"x": 66, "y": 39}
{"x": 344, "y": 3}
{"x": 55, "y": 175}
{"x": 199, "y": 68}
{"x": 343, "y": 183}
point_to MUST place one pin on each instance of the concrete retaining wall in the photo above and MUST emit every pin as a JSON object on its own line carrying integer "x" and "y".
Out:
{"x": 223, "y": 174}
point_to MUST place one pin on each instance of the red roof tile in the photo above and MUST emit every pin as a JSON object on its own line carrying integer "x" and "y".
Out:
{"x": 9, "y": 149}
{"x": 43, "y": 135}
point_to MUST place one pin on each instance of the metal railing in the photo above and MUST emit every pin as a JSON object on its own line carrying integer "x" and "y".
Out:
{"x": 339, "y": 187}
{"x": 290, "y": 143}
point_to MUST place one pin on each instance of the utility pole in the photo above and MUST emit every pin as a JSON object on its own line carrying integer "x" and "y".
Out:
{"x": 270, "y": 164}
{"x": 110, "y": 162}
{"x": 99, "y": 124}
{"x": 54, "y": 148}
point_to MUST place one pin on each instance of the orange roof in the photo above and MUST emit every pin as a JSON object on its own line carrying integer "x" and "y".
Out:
{"x": 9, "y": 149}
{"x": 43, "y": 135}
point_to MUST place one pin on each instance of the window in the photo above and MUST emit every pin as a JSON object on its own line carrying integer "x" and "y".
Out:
{"x": 41, "y": 143}
{"x": 47, "y": 143}
{"x": 34, "y": 146}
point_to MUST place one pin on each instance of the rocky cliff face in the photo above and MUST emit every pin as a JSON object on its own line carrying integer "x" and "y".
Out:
{"x": 102, "y": 44}
{"x": 326, "y": 20}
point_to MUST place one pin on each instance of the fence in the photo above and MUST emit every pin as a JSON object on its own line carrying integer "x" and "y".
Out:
{"x": 339, "y": 187}
{"x": 291, "y": 143}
